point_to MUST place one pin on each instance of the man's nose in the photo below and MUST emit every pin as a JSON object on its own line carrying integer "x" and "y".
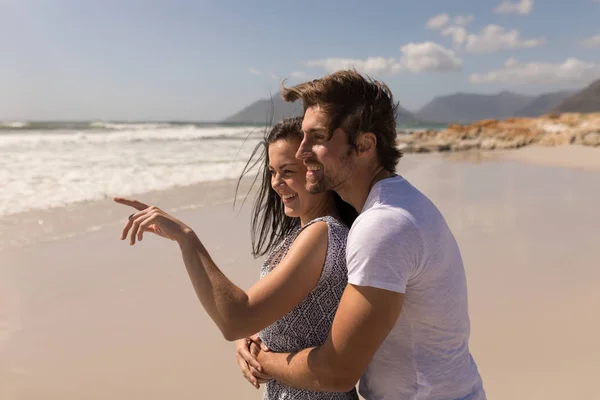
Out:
{"x": 305, "y": 149}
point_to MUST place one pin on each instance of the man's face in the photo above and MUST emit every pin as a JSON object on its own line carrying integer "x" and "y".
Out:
{"x": 328, "y": 162}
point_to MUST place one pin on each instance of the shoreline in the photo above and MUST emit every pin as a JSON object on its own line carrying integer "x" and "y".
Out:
{"x": 56, "y": 223}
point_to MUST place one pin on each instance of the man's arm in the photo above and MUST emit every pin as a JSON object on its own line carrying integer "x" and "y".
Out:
{"x": 384, "y": 249}
{"x": 365, "y": 317}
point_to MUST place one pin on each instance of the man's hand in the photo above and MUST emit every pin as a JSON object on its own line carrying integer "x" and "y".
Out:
{"x": 365, "y": 317}
{"x": 246, "y": 355}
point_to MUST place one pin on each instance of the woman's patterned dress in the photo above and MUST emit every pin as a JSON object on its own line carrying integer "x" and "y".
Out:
{"x": 309, "y": 323}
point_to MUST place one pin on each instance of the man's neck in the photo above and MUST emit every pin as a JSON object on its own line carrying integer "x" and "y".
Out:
{"x": 356, "y": 189}
{"x": 323, "y": 209}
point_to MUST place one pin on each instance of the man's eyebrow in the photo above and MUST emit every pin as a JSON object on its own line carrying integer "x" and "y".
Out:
{"x": 316, "y": 129}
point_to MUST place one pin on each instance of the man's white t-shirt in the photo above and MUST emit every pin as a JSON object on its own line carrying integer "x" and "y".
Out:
{"x": 401, "y": 242}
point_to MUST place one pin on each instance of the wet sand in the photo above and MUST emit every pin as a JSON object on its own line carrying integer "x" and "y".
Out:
{"x": 574, "y": 156}
{"x": 86, "y": 316}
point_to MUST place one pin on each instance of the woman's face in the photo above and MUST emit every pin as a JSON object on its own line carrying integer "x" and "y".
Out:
{"x": 288, "y": 178}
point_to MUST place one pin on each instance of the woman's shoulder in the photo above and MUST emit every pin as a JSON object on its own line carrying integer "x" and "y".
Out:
{"x": 324, "y": 235}
{"x": 331, "y": 222}
{"x": 333, "y": 239}
{"x": 334, "y": 228}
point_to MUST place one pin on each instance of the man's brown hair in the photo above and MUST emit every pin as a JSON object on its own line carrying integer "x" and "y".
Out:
{"x": 356, "y": 104}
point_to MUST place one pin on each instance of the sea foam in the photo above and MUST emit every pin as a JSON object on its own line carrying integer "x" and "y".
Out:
{"x": 42, "y": 169}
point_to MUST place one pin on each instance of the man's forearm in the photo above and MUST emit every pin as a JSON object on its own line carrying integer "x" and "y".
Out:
{"x": 307, "y": 369}
{"x": 364, "y": 318}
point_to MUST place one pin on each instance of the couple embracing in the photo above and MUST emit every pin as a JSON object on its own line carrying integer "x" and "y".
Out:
{"x": 363, "y": 279}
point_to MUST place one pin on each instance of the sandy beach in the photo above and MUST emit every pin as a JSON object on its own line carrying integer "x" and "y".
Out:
{"x": 579, "y": 157}
{"x": 86, "y": 316}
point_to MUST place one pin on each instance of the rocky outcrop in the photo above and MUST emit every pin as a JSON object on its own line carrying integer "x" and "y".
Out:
{"x": 512, "y": 133}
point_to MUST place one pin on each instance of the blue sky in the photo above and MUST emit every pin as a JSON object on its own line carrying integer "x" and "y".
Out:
{"x": 204, "y": 60}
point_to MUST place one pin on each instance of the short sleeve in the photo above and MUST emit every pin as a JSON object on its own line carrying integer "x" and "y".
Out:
{"x": 384, "y": 250}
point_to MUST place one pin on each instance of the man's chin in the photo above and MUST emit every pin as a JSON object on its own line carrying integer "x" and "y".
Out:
{"x": 315, "y": 188}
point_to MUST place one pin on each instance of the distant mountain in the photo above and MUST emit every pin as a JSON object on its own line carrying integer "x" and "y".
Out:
{"x": 457, "y": 108}
{"x": 587, "y": 100}
{"x": 267, "y": 110}
{"x": 406, "y": 117}
{"x": 468, "y": 107}
{"x": 276, "y": 109}
{"x": 544, "y": 104}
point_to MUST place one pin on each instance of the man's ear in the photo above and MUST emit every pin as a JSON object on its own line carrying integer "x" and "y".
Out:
{"x": 366, "y": 143}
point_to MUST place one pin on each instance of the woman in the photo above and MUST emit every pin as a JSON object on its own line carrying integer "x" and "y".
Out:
{"x": 305, "y": 237}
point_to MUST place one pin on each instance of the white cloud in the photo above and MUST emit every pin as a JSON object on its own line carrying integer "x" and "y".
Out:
{"x": 522, "y": 7}
{"x": 298, "y": 74}
{"x": 428, "y": 57}
{"x": 490, "y": 39}
{"x": 494, "y": 38}
{"x": 371, "y": 65}
{"x": 511, "y": 62}
{"x": 571, "y": 71}
{"x": 456, "y": 30}
{"x": 591, "y": 42}
{"x": 464, "y": 20}
{"x": 415, "y": 58}
{"x": 438, "y": 22}
{"x": 258, "y": 72}
{"x": 458, "y": 33}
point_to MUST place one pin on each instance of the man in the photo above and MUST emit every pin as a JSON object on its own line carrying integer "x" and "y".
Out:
{"x": 402, "y": 326}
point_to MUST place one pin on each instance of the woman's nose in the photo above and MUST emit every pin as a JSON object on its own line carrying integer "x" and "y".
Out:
{"x": 277, "y": 181}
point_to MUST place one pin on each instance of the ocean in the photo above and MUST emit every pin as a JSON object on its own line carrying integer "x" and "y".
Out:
{"x": 53, "y": 164}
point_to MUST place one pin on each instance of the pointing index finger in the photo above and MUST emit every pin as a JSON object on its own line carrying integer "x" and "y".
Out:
{"x": 138, "y": 205}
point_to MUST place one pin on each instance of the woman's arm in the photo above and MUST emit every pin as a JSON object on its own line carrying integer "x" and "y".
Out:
{"x": 239, "y": 314}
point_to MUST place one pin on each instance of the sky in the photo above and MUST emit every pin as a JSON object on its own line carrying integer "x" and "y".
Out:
{"x": 205, "y": 60}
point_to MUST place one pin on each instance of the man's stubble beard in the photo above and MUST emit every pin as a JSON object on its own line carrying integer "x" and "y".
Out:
{"x": 326, "y": 183}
